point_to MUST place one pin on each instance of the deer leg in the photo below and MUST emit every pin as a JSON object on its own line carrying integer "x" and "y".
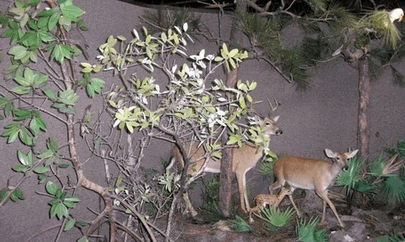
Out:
{"x": 189, "y": 205}
{"x": 323, "y": 212}
{"x": 255, "y": 209}
{"x": 295, "y": 206}
{"x": 275, "y": 185}
{"x": 324, "y": 196}
{"x": 242, "y": 191}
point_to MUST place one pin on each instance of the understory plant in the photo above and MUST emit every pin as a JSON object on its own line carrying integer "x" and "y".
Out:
{"x": 307, "y": 231}
{"x": 274, "y": 218}
{"x": 385, "y": 175}
{"x": 392, "y": 238}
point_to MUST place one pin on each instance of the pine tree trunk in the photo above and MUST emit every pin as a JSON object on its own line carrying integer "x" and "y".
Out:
{"x": 363, "y": 133}
{"x": 225, "y": 178}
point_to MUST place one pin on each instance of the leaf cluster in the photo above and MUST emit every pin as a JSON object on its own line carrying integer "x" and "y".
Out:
{"x": 381, "y": 177}
{"x": 274, "y": 217}
{"x": 307, "y": 231}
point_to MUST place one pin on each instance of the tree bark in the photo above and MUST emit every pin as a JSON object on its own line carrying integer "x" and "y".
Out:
{"x": 363, "y": 133}
{"x": 225, "y": 177}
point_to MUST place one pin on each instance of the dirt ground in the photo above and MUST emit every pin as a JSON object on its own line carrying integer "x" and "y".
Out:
{"x": 363, "y": 225}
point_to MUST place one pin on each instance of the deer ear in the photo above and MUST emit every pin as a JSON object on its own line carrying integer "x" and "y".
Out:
{"x": 352, "y": 154}
{"x": 276, "y": 118}
{"x": 330, "y": 153}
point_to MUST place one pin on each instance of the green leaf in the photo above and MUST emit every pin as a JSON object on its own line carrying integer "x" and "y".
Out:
{"x": 3, "y": 193}
{"x": 51, "y": 188}
{"x": 80, "y": 223}
{"x": 25, "y": 159}
{"x": 61, "y": 51}
{"x": 53, "y": 20}
{"x": 18, "y": 52}
{"x": 69, "y": 225}
{"x": 11, "y": 131}
{"x": 233, "y": 53}
{"x": 52, "y": 144}
{"x": 83, "y": 239}
{"x": 21, "y": 114}
{"x": 63, "y": 165}
{"x": 46, "y": 154}
{"x": 71, "y": 12}
{"x": 46, "y": 13}
{"x": 20, "y": 168}
{"x": 37, "y": 124}
{"x": 41, "y": 169}
{"x": 68, "y": 97}
{"x": 49, "y": 93}
{"x": 242, "y": 103}
{"x": 25, "y": 136}
{"x": 21, "y": 90}
{"x": 60, "y": 210}
{"x": 94, "y": 86}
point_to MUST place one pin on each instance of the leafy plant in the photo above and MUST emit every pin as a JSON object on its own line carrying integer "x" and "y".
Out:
{"x": 392, "y": 238}
{"x": 274, "y": 217}
{"x": 380, "y": 177}
{"x": 210, "y": 195}
{"x": 307, "y": 231}
{"x": 240, "y": 224}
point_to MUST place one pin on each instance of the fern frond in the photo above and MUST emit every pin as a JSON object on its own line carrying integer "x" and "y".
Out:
{"x": 394, "y": 188}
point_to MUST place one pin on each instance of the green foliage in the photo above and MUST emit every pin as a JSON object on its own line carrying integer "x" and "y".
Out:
{"x": 61, "y": 202}
{"x": 14, "y": 195}
{"x": 381, "y": 176}
{"x": 307, "y": 231}
{"x": 210, "y": 195}
{"x": 274, "y": 217}
{"x": 240, "y": 225}
{"x": 398, "y": 150}
{"x": 392, "y": 238}
{"x": 38, "y": 36}
{"x": 231, "y": 58}
{"x": 291, "y": 62}
{"x": 378, "y": 21}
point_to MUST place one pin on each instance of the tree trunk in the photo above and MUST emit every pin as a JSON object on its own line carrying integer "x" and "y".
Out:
{"x": 225, "y": 177}
{"x": 363, "y": 133}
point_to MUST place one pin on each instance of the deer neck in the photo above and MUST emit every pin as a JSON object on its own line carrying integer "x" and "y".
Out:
{"x": 334, "y": 169}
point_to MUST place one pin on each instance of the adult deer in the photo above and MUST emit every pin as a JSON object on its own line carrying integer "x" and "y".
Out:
{"x": 244, "y": 158}
{"x": 311, "y": 174}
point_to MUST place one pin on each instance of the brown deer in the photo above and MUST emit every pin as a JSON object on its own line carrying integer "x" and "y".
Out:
{"x": 244, "y": 158}
{"x": 311, "y": 174}
{"x": 268, "y": 199}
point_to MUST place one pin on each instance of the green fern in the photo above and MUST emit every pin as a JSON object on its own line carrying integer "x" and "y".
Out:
{"x": 394, "y": 188}
{"x": 240, "y": 225}
{"x": 350, "y": 177}
{"x": 307, "y": 231}
{"x": 275, "y": 217}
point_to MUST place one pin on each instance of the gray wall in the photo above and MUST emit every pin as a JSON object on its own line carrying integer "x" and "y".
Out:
{"x": 323, "y": 117}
